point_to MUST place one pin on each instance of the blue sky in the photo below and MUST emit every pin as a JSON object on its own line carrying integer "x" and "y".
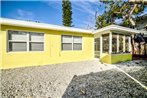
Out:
{"x": 51, "y": 11}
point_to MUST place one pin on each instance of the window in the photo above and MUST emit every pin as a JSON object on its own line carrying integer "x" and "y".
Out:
{"x": 77, "y": 43}
{"x": 36, "y": 42}
{"x": 66, "y": 42}
{"x": 25, "y": 41}
{"x": 70, "y": 42}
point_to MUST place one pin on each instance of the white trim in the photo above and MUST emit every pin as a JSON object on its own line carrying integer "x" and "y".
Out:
{"x": 21, "y": 23}
{"x": 124, "y": 43}
{"x": 28, "y": 39}
{"x": 101, "y": 44}
{"x": 117, "y": 43}
{"x": 110, "y": 42}
{"x": 130, "y": 49}
{"x": 116, "y": 28}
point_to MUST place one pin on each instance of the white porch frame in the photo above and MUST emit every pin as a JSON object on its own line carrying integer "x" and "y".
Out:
{"x": 117, "y": 43}
{"x": 110, "y": 42}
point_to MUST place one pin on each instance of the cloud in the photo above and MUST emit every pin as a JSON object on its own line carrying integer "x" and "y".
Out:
{"x": 83, "y": 6}
{"x": 87, "y": 10}
{"x": 57, "y": 4}
{"x": 89, "y": 23}
{"x": 24, "y": 15}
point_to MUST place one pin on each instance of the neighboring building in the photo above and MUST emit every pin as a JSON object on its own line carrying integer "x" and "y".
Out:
{"x": 31, "y": 44}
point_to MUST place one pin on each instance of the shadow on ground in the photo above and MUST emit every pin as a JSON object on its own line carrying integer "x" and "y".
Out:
{"x": 106, "y": 84}
{"x": 136, "y": 68}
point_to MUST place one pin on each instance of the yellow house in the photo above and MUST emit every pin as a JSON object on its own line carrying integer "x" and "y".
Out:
{"x": 24, "y": 43}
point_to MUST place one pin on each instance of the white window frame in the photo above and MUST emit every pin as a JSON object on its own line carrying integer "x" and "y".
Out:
{"x": 71, "y": 43}
{"x": 27, "y": 41}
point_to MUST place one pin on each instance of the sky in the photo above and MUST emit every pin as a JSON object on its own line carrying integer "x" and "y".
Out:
{"x": 50, "y": 11}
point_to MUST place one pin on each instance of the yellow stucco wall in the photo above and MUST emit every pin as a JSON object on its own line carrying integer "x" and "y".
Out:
{"x": 106, "y": 58}
{"x": 52, "y": 53}
{"x": 115, "y": 58}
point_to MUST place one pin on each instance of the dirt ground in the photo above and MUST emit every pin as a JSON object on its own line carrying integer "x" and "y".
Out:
{"x": 86, "y": 79}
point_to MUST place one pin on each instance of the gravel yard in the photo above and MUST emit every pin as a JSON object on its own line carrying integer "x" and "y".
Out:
{"x": 45, "y": 81}
{"x": 86, "y": 79}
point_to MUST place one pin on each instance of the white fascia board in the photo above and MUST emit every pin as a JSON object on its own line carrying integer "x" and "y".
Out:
{"x": 21, "y": 23}
{"x": 116, "y": 28}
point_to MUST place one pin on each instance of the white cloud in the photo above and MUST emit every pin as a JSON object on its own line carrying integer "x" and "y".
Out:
{"x": 89, "y": 23}
{"x": 84, "y": 6}
{"x": 24, "y": 15}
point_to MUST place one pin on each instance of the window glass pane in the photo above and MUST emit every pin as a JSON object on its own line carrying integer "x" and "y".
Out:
{"x": 77, "y": 39}
{"x": 77, "y": 46}
{"x": 17, "y": 35}
{"x": 105, "y": 42}
{"x": 121, "y": 43}
{"x": 17, "y": 46}
{"x": 36, "y": 46}
{"x": 66, "y": 39}
{"x": 114, "y": 43}
{"x": 37, "y": 37}
{"x": 66, "y": 46}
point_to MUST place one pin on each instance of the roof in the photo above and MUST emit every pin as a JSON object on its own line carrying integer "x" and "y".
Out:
{"x": 21, "y": 23}
{"x": 117, "y": 29}
{"x": 14, "y": 22}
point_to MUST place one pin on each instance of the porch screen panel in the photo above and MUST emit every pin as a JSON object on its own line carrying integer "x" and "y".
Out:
{"x": 97, "y": 44}
{"x": 114, "y": 43}
{"x": 127, "y": 44}
{"x": 105, "y": 43}
{"x": 120, "y": 43}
